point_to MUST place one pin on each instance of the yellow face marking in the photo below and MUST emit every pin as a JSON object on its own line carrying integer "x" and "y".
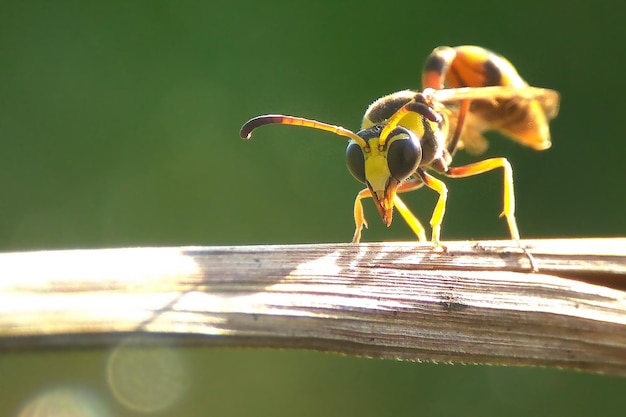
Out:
{"x": 381, "y": 184}
{"x": 376, "y": 170}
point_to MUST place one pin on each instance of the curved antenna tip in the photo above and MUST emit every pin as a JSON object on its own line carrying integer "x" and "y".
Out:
{"x": 255, "y": 122}
{"x": 250, "y": 125}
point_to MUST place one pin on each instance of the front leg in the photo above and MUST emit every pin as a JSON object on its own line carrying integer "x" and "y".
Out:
{"x": 411, "y": 220}
{"x": 359, "y": 216}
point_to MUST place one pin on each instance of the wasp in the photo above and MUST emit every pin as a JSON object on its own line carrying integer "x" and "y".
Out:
{"x": 407, "y": 135}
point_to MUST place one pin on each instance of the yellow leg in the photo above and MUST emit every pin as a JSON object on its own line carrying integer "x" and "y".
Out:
{"x": 440, "y": 209}
{"x": 410, "y": 218}
{"x": 509, "y": 196}
{"x": 359, "y": 217}
{"x": 407, "y": 215}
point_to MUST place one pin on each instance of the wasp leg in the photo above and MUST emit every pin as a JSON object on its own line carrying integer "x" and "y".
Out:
{"x": 509, "y": 196}
{"x": 359, "y": 217}
{"x": 454, "y": 143}
{"x": 407, "y": 215}
{"x": 440, "y": 209}
{"x": 404, "y": 211}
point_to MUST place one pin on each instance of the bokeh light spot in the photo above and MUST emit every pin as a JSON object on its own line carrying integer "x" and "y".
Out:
{"x": 146, "y": 377}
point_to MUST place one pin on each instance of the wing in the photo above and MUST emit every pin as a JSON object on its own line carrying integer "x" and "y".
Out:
{"x": 519, "y": 113}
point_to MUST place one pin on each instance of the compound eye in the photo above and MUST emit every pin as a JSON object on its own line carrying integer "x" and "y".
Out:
{"x": 356, "y": 161}
{"x": 404, "y": 156}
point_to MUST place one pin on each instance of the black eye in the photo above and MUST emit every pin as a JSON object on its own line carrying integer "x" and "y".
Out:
{"x": 404, "y": 156}
{"x": 356, "y": 161}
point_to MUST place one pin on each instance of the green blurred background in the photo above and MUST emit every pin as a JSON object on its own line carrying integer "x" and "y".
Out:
{"x": 119, "y": 127}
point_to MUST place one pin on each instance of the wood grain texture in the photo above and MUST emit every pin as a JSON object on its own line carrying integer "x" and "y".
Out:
{"x": 475, "y": 302}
